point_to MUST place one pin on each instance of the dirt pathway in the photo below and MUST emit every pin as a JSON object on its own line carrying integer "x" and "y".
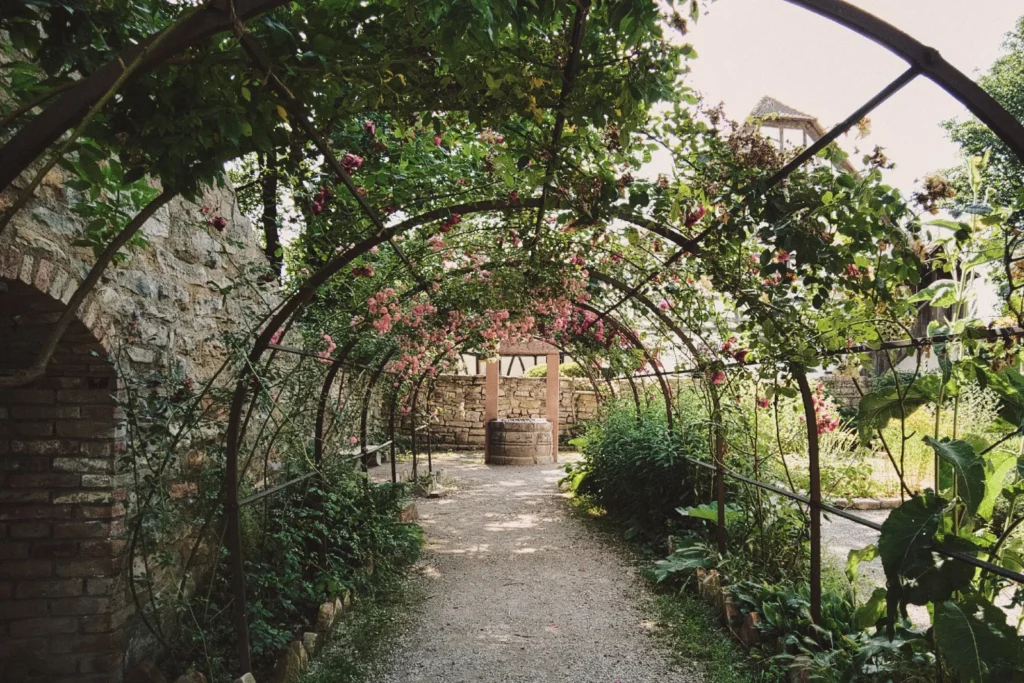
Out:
{"x": 520, "y": 590}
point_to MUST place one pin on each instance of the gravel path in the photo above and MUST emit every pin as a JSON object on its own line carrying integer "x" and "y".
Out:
{"x": 520, "y": 590}
{"x": 839, "y": 536}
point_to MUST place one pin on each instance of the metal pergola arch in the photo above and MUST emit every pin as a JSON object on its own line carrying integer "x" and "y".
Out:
{"x": 222, "y": 15}
{"x": 923, "y": 61}
{"x": 341, "y": 359}
{"x": 377, "y": 372}
{"x": 284, "y": 316}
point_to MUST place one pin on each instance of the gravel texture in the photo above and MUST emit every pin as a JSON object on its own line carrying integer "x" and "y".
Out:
{"x": 521, "y": 590}
{"x": 839, "y": 536}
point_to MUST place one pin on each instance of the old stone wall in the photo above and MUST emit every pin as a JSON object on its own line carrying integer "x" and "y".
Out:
{"x": 843, "y": 390}
{"x": 460, "y": 402}
{"x": 64, "y": 611}
{"x": 170, "y": 295}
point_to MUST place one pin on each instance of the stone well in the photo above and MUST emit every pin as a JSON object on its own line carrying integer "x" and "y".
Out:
{"x": 519, "y": 441}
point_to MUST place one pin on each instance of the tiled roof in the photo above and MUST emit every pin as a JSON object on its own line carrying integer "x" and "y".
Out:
{"x": 770, "y": 113}
{"x": 769, "y": 108}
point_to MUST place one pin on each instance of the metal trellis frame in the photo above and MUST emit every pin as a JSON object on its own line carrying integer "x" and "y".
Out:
{"x": 222, "y": 15}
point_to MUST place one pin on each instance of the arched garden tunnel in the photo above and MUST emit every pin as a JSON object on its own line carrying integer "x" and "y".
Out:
{"x": 456, "y": 214}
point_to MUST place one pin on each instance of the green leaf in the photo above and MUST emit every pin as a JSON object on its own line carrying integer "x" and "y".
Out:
{"x": 855, "y": 557}
{"x": 974, "y": 639}
{"x": 1009, "y": 384}
{"x": 908, "y": 534}
{"x": 998, "y": 465}
{"x": 709, "y": 512}
{"x": 639, "y": 198}
{"x": 90, "y": 170}
{"x": 682, "y": 560}
{"x": 847, "y": 181}
{"x": 939, "y": 294}
{"x": 968, "y": 470}
{"x": 876, "y": 409}
{"x": 868, "y": 614}
{"x": 576, "y": 479}
{"x": 945, "y": 362}
{"x": 948, "y": 224}
{"x": 579, "y": 443}
{"x": 942, "y": 582}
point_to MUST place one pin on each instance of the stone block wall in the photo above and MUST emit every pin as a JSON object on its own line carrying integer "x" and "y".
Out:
{"x": 843, "y": 390}
{"x": 460, "y": 402}
{"x": 64, "y": 610}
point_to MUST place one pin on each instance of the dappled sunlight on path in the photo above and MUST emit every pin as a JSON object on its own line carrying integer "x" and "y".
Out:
{"x": 520, "y": 590}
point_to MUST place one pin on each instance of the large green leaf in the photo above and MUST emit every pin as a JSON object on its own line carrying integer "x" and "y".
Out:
{"x": 709, "y": 512}
{"x": 998, "y": 465}
{"x": 1009, "y": 384}
{"x": 949, "y": 576}
{"x": 868, "y": 614}
{"x": 876, "y": 409}
{"x": 940, "y": 293}
{"x": 968, "y": 470}
{"x": 908, "y": 534}
{"x": 855, "y": 557}
{"x": 576, "y": 479}
{"x": 974, "y": 639}
{"x": 682, "y": 560}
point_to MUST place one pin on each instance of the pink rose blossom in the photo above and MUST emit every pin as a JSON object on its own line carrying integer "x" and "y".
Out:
{"x": 351, "y": 162}
{"x": 694, "y": 217}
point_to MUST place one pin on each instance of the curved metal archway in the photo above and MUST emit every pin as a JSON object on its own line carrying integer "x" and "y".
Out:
{"x": 221, "y": 15}
{"x": 923, "y": 61}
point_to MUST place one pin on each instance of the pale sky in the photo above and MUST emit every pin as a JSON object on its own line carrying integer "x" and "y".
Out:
{"x": 751, "y": 48}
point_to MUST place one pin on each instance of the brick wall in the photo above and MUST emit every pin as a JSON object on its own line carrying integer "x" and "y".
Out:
{"x": 64, "y": 609}
{"x": 460, "y": 400}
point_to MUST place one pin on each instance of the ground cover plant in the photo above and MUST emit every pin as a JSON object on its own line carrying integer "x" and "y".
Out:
{"x": 765, "y": 563}
{"x": 363, "y": 641}
{"x": 332, "y": 534}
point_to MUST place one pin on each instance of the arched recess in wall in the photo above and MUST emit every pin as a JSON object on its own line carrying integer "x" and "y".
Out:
{"x": 63, "y": 606}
